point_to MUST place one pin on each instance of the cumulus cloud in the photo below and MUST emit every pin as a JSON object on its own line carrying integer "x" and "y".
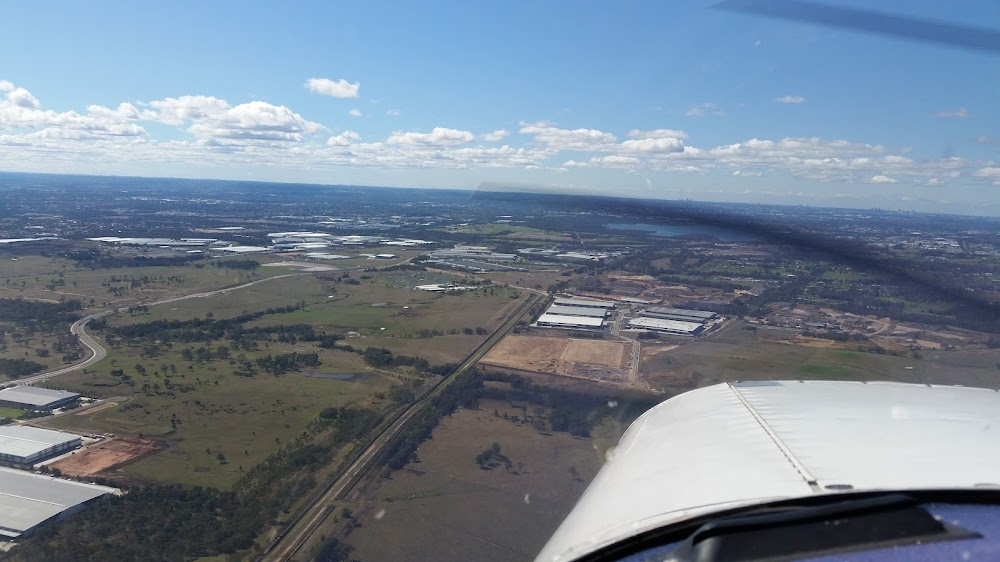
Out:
{"x": 214, "y": 121}
{"x": 567, "y": 139}
{"x": 339, "y": 89}
{"x": 21, "y": 111}
{"x": 355, "y": 113}
{"x": 22, "y": 98}
{"x": 881, "y": 179}
{"x": 495, "y": 136}
{"x": 392, "y": 112}
{"x": 262, "y": 134}
{"x": 343, "y": 139}
{"x": 703, "y": 109}
{"x": 657, "y": 134}
{"x": 960, "y": 113}
{"x": 439, "y": 136}
{"x": 664, "y": 144}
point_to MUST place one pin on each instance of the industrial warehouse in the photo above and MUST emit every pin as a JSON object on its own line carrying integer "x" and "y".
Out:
{"x": 667, "y": 326}
{"x": 675, "y": 321}
{"x": 25, "y": 445}
{"x": 586, "y": 303}
{"x": 577, "y": 314}
{"x": 27, "y": 500}
{"x": 35, "y": 398}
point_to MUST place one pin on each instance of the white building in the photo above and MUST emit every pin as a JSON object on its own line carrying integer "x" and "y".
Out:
{"x": 667, "y": 326}
{"x": 27, "y": 500}
{"x": 23, "y": 444}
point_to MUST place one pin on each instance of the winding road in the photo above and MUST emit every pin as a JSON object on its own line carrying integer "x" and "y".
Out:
{"x": 97, "y": 350}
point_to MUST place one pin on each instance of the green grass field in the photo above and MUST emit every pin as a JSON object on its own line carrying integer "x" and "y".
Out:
{"x": 243, "y": 418}
{"x": 12, "y": 413}
{"x": 445, "y": 508}
{"x": 740, "y": 355}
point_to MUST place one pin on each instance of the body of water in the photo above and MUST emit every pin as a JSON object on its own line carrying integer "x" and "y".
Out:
{"x": 724, "y": 234}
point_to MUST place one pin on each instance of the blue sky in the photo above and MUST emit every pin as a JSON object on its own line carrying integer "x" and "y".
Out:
{"x": 649, "y": 99}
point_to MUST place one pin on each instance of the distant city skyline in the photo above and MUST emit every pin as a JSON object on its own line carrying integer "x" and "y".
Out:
{"x": 640, "y": 99}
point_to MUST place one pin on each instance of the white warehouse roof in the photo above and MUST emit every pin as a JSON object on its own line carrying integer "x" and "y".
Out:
{"x": 25, "y": 441}
{"x": 34, "y": 396}
{"x": 662, "y": 324}
{"x": 682, "y": 312}
{"x": 577, "y": 311}
{"x": 585, "y": 302}
{"x": 559, "y": 319}
{"x": 28, "y": 499}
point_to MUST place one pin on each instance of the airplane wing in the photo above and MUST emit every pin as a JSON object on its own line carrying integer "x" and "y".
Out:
{"x": 730, "y": 447}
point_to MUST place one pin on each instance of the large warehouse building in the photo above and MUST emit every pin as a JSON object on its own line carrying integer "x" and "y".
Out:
{"x": 577, "y": 311}
{"x": 682, "y": 314}
{"x": 28, "y": 500}
{"x": 23, "y": 444}
{"x": 587, "y": 303}
{"x": 35, "y": 398}
{"x": 667, "y": 326}
{"x": 559, "y": 321}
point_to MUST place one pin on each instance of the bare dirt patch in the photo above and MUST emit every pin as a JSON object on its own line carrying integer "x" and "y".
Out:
{"x": 573, "y": 357}
{"x": 105, "y": 456}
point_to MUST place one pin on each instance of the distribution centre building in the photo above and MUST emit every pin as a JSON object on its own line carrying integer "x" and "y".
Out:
{"x": 23, "y": 444}
{"x": 564, "y": 310}
{"x": 559, "y": 321}
{"x": 585, "y": 303}
{"x": 667, "y": 326}
{"x": 682, "y": 314}
{"x": 27, "y": 500}
{"x": 35, "y": 398}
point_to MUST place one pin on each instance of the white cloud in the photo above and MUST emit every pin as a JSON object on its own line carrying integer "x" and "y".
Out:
{"x": 339, "y": 89}
{"x": 703, "y": 109}
{"x": 654, "y": 145}
{"x": 881, "y": 179}
{"x": 960, "y": 113}
{"x": 935, "y": 181}
{"x": 214, "y": 121}
{"x": 177, "y": 111}
{"x": 790, "y": 99}
{"x": 439, "y": 136}
{"x": 567, "y": 139}
{"x": 747, "y": 173}
{"x": 22, "y": 98}
{"x": 392, "y": 112}
{"x": 355, "y": 113}
{"x": 343, "y": 139}
{"x": 657, "y": 134}
{"x": 989, "y": 172}
{"x": 21, "y": 111}
{"x": 495, "y": 136}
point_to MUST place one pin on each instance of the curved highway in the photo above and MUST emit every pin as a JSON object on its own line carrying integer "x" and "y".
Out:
{"x": 97, "y": 350}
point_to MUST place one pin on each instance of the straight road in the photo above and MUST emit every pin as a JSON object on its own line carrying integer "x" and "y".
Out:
{"x": 298, "y": 530}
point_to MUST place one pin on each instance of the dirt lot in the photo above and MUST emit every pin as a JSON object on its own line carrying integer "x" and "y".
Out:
{"x": 573, "y": 357}
{"x": 105, "y": 456}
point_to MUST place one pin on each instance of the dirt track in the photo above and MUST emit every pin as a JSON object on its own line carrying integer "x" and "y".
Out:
{"x": 104, "y": 456}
